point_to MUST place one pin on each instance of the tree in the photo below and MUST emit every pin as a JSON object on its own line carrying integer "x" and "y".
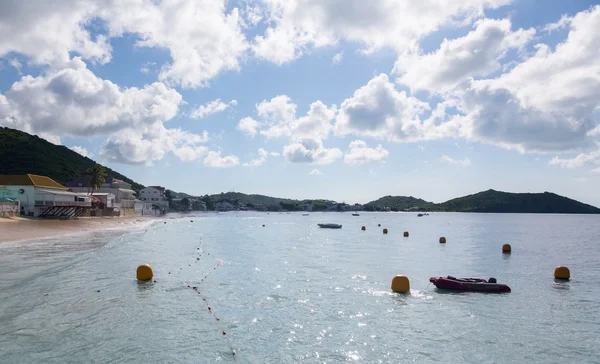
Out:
{"x": 184, "y": 203}
{"x": 95, "y": 176}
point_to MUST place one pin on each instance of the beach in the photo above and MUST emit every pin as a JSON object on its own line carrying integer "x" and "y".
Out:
{"x": 18, "y": 228}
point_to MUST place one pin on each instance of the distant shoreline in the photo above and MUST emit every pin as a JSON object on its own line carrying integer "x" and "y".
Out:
{"x": 22, "y": 229}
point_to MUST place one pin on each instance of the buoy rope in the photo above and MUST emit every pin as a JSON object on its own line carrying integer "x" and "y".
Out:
{"x": 212, "y": 311}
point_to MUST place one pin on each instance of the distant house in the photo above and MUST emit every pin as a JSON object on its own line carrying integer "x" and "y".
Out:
{"x": 121, "y": 189}
{"x": 224, "y": 206}
{"x": 41, "y": 196}
{"x": 306, "y": 206}
{"x": 155, "y": 195}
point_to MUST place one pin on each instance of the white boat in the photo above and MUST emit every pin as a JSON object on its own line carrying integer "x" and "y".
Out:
{"x": 330, "y": 226}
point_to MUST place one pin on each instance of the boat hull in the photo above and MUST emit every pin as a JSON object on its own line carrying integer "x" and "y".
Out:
{"x": 468, "y": 285}
{"x": 330, "y": 226}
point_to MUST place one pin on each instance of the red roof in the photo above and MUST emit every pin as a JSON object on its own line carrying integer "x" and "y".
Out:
{"x": 158, "y": 188}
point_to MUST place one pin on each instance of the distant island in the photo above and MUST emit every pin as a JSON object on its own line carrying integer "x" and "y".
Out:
{"x": 22, "y": 153}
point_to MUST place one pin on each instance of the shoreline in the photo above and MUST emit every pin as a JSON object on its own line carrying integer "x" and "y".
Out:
{"x": 18, "y": 229}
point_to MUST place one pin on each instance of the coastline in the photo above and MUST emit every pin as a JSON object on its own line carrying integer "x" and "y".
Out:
{"x": 21, "y": 229}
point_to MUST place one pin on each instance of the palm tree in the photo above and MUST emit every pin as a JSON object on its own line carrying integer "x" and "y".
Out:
{"x": 95, "y": 176}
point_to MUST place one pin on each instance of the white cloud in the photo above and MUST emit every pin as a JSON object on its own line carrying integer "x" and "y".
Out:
{"x": 212, "y": 107}
{"x": 315, "y": 172}
{"x": 580, "y": 160}
{"x": 145, "y": 70}
{"x": 474, "y": 55}
{"x": 149, "y": 143}
{"x": 378, "y": 110}
{"x": 214, "y": 159}
{"x": 81, "y": 150}
{"x": 594, "y": 132}
{"x": 203, "y": 39}
{"x": 262, "y": 158}
{"x": 274, "y": 154}
{"x": 310, "y": 151}
{"x": 296, "y": 26}
{"x": 16, "y": 64}
{"x": 48, "y": 31}
{"x": 360, "y": 153}
{"x": 73, "y": 101}
{"x": 545, "y": 103}
{"x": 596, "y": 170}
{"x": 337, "y": 59}
{"x": 248, "y": 126}
{"x": 463, "y": 163}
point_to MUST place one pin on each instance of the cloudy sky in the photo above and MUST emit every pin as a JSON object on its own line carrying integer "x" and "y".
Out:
{"x": 341, "y": 99}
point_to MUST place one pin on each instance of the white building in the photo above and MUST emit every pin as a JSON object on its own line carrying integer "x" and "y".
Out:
{"x": 121, "y": 189}
{"x": 41, "y": 196}
{"x": 155, "y": 195}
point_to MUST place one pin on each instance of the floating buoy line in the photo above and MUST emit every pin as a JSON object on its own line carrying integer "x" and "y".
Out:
{"x": 208, "y": 307}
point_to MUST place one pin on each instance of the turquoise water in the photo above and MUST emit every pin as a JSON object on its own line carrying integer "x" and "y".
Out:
{"x": 292, "y": 292}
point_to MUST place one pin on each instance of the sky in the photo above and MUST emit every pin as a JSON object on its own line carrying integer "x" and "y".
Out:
{"x": 340, "y": 99}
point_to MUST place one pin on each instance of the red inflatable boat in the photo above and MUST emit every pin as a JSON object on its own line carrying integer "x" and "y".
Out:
{"x": 469, "y": 284}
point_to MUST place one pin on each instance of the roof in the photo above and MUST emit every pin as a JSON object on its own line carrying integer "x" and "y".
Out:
{"x": 29, "y": 180}
{"x": 54, "y": 192}
{"x": 82, "y": 181}
{"x": 157, "y": 188}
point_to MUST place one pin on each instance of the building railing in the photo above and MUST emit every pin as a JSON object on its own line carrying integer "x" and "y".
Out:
{"x": 62, "y": 203}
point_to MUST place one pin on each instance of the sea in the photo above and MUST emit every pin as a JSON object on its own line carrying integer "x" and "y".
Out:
{"x": 228, "y": 289}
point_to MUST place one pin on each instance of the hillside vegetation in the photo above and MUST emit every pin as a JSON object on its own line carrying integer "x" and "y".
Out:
{"x": 22, "y": 153}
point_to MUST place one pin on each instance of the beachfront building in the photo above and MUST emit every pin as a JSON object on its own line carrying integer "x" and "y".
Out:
{"x": 41, "y": 196}
{"x": 121, "y": 189}
{"x": 155, "y": 195}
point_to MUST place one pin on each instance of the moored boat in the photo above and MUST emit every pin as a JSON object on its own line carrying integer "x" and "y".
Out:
{"x": 469, "y": 284}
{"x": 330, "y": 226}
{"x": 355, "y": 215}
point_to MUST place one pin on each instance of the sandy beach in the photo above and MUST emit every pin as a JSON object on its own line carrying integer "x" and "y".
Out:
{"x": 17, "y": 228}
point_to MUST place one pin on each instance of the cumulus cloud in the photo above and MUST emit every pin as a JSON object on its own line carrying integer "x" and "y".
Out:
{"x": 214, "y": 159}
{"x": 50, "y": 31}
{"x": 476, "y": 54}
{"x": 144, "y": 145}
{"x": 296, "y": 26}
{"x": 545, "y": 103}
{"x": 463, "y": 163}
{"x": 315, "y": 172}
{"x": 81, "y": 150}
{"x": 310, "y": 151}
{"x": 203, "y": 39}
{"x": 360, "y": 153}
{"x": 212, "y": 107}
{"x": 337, "y": 59}
{"x": 249, "y": 126}
{"x": 262, "y": 158}
{"x": 73, "y": 101}
{"x": 378, "y": 110}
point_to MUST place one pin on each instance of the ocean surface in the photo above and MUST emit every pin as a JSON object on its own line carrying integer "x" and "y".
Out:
{"x": 292, "y": 292}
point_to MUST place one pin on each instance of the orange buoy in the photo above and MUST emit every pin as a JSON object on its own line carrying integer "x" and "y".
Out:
{"x": 506, "y": 248}
{"x": 442, "y": 240}
{"x": 406, "y": 234}
{"x": 363, "y": 228}
{"x": 385, "y": 231}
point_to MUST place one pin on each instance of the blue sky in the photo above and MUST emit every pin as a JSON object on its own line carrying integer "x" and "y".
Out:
{"x": 315, "y": 99}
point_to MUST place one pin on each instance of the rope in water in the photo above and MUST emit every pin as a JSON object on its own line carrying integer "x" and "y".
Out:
{"x": 212, "y": 311}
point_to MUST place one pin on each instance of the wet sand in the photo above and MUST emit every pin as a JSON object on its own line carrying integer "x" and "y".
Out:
{"x": 18, "y": 228}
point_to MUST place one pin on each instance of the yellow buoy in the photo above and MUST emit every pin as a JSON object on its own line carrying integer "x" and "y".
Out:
{"x": 406, "y": 234}
{"x": 562, "y": 273}
{"x": 400, "y": 284}
{"x": 442, "y": 240}
{"x": 144, "y": 272}
{"x": 363, "y": 228}
{"x": 385, "y": 231}
{"x": 506, "y": 248}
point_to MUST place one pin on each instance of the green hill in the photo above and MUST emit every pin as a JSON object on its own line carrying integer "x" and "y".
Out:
{"x": 22, "y": 153}
{"x": 497, "y": 201}
{"x": 398, "y": 203}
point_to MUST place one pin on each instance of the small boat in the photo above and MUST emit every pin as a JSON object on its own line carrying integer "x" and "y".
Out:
{"x": 304, "y": 214}
{"x": 469, "y": 284}
{"x": 419, "y": 215}
{"x": 330, "y": 226}
{"x": 355, "y": 215}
